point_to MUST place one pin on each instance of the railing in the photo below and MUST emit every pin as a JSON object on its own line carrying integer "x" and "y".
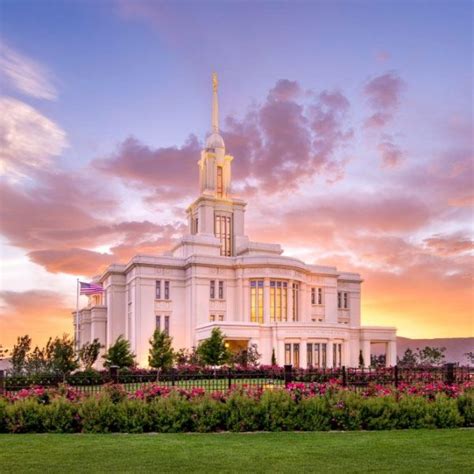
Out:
{"x": 222, "y": 379}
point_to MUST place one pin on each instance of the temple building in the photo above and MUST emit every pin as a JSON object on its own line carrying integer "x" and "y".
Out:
{"x": 215, "y": 276}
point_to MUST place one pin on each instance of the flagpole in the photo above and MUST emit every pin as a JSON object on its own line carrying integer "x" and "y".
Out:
{"x": 77, "y": 313}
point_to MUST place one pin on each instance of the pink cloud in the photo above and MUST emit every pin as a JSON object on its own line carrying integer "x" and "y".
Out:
{"x": 391, "y": 154}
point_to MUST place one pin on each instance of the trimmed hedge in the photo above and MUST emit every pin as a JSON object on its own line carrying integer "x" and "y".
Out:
{"x": 277, "y": 410}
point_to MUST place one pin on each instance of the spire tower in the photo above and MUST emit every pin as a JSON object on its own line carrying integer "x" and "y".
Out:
{"x": 215, "y": 105}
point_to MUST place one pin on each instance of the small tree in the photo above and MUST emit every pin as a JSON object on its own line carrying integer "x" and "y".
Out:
{"x": 470, "y": 357}
{"x": 361, "y": 360}
{"x": 409, "y": 359}
{"x": 431, "y": 355}
{"x": 248, "y": 356}
{"x": 3, "y": 352}
{"x": 19, "y": 354}
{"x": 62, "y": 356}
{"x": 377, "y": 361}
{"x": 161, "y": 354}
{"x": 274, "y": 361}
{"x": 119, "y": 354}
{"x": 37, "y": 361}
{"x": 213, "y": 351}
{"x": 89, "y": 353}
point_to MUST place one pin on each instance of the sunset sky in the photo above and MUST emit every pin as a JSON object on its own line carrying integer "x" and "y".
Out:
{"x": 350, "y": 123}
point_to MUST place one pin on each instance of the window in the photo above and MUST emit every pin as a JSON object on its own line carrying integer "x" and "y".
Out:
{"x": 158, "y": 323}
{"x": 337, "y": 355}
{"x": 342, "y": 300}
{"x": 287, "y": 354}
{"x": 220, "y": 184}
{"x": 221, "y": 290}
{"x": 158, "y": 289}
{"x": 167, "y": 325}
{"x": 167, "y": 290}
{"x": 212, "y": 290}
{"x": 256, "y": 301}
{"x": 212, "y": 318}
{"x": 194, "y": 225}
{"x": 296, "y": 288}
{"x": 309, "y": 354}
{"x": 296, "y": 355}
{"x": 313, "y": 295}
{"x": 324, "y": 355}
{"x": 278, "y": 300}
{"x": 221, "y": 317}
{"x": 320, "y": 296}
{"x": 223, "y": 231}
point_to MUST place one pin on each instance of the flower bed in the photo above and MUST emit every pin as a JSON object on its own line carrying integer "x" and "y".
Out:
{"x": 307, "y": 407}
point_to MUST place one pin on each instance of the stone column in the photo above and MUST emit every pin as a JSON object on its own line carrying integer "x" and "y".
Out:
{"x": 329, "y": 355}
{"x": 391, "y": 354}
{"x": 240, "y": 298}
{"x": 303, "y": 354}
{"x": 266, "y": 300}
{"x": 246, "y": 300}
{"x": 366, "y": 352}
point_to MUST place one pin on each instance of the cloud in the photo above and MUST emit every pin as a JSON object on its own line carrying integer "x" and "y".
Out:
{"x": 391, "y": 154}
{"x": 383, "y": 95}
{"x": 27, "y": 138}
{"x": 26, "y": 75}
{"x": 39, "y": 313}
{"x": 448, "y": 245}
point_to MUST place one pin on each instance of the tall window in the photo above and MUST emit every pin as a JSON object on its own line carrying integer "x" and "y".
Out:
{"x": 167, "y": 290}
{"x": 223, "y": 231}
{"x": 167, "y": 325}
{"x": 313, "y": 295}
{"x": 342, "y": 300}
{"x": 221, "y": 290}
{"x": 309, "y": 354}
{"x": 337, "y": 355}
{"x": 212, "y": 289}
{"x": 220, "y": 317}
{"x": 220, "y": 183}
{"x": 287, "y": 354}
{"x": 212, "y": 318}
{"x": 194, "y": 225}
{"x": 158, "y": 322}
{"x": 256, "y": 301}
{"x": 158, "y": 289}
{"x": 278, "y": 301}
{"x": 320, "y": 296}
{"x": 296, "y": 355}
{"x": 295, "y": 289}
{"x": 292, "y": 356}
{"x": 324, "y": 358}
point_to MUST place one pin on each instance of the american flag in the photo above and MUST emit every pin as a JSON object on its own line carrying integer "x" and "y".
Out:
{"x": 90, "y": 288}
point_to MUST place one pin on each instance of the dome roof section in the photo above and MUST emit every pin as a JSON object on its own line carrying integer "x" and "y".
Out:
{"x": 214, "y": 140}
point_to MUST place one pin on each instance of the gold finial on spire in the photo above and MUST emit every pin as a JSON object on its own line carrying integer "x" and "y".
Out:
{"x": 214, "y": 82}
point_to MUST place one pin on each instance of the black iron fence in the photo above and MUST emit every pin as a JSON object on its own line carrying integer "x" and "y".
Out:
{"x": 222, "y": 379}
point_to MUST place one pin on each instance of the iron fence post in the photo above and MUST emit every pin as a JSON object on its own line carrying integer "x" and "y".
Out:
{"x": 449, "y": 378}
{"x": 2, "y": 382}
{"x": 344, "y": 376}
{"x": 288, "y": 374}
{"x": 114, "y": 373}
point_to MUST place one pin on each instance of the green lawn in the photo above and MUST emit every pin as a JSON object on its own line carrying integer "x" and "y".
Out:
{"x": 387, "y": 451}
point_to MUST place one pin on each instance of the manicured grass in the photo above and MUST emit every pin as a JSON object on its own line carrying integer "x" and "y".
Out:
{"x": 387, "y": 451}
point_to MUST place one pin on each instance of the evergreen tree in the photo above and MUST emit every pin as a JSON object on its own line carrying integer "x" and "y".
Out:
{"x": 89, "y": 353}
{"x": 274, "y": 361}
{"x": 361, "y": 360}
{"x": 161, "y": 354}
{"x": 409, "y": 359}
{"x": 119, "y": 354}
{"x": 213, "y": 351}
{"x": 19, "y": 354}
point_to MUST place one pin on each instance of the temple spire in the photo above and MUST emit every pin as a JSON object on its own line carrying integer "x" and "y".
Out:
{"x": 215, "y": 105}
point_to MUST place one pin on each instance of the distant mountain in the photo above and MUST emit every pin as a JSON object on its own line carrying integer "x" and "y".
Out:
{"x": 456, "y": 347}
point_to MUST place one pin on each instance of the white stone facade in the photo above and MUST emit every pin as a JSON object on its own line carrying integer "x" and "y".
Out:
{"x": 307, "y": 315}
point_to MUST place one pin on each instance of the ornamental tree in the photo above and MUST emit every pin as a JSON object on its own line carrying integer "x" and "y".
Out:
{"x": 470, "y": 357}
{"x": 19, "y": 354}
{"x": 431, "y": 355}
{"x": 213, "y": 351}
{"x": 89, "y": 353}
{"x": 61, "y": 355}
{"x": 409, "y": 359}
{"x": 119, "y": 354}
{"x": 161, "y": 355}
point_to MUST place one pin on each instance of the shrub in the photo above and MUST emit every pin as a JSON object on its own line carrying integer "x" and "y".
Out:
{"x": 25, "y": 416}
{"x": 3, "y": 416}
{"x": 444, "y": 412}
{"x": 379, "y": 413}
{"x": 345, "y": 410}
{"x": 278, "y": 411}
{"x": 243, "y": 413}
{"x": 61, "y": 416}
{"x": 466, "y": 407}
{"x": 313, "y": 414}
{"x": 413, "y": 412}
{"x": 172, "y": 414}
{"x": 208, "y": 414}
{"x": 131, "y": 416}
{"x": 98, "y": 415}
